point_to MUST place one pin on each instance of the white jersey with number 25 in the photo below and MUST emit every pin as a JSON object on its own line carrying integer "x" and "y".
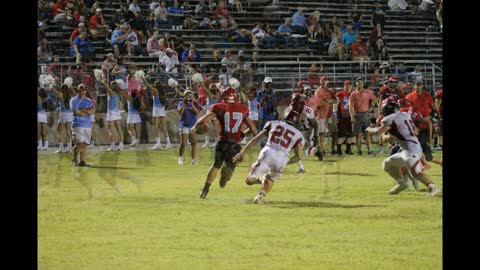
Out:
{"x": 283, "y": 137}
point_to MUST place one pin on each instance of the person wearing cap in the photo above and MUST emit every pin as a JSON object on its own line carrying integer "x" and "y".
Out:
{"x": 120, "y": 40}
{"x": 82, "y": 108}
{"x": 170, "y": 62}
{"x": 75, "y": 33}
{"x": 96, "y": 26}
{"x": 344, "y": 123}
{"x": 359, "y": 106}
{"x": 324, "y": 100}
{"x": 268, "y": 100}
{"x": 188, "y": 109}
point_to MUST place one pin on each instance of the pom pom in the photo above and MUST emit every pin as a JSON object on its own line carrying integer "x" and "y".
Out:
{"x": 119, "y": 82}
{"x": 197, "y": 78}
{"x": 172, "y": 83}
{"x": 68, "y": 81}
{"x": 140, "y": 74}
{"x": 98, "y": 74}
{"x": 234, "y": 82}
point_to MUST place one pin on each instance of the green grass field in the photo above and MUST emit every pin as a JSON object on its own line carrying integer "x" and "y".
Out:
{"x": 141, "y": 210}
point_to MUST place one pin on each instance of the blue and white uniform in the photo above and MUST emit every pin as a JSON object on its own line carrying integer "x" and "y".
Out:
{"x": 41, "y": 114}
{"x": 158, "y": 107}
{"x": 132, "y": 117}
{"x": 113, "y": 112}
{"x": 66, "y": 114}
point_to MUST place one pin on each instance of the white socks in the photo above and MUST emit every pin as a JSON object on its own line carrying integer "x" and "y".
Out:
{"x": 168, "y": 139}
{"x": 300, "y": 165}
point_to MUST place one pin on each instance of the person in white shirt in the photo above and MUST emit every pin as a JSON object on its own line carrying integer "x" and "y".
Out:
{"x": 170, "y": 62}
{"x": 401, "y": 127}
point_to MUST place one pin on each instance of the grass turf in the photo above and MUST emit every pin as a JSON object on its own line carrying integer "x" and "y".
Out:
{"x": 141, "y": 210}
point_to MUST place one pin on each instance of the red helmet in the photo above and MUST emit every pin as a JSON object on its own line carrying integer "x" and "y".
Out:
{"x": 230, "y": 95}
{"x": 393, "y": 79}
{"x": 294, "y": 109}
{"x": 299, "y": 84}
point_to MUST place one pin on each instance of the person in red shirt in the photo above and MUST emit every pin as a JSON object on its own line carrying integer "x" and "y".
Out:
{"x": 344, "y": 123}
{"x": 423, "y": 104}
{"x": 231, "y": 116}
{"x": 97, "y": 26}
{"x": 359, "y": 53}
{"x": 324, "y": 115}
{"x": 359, "y": 106}
{"x": 439, "y": 127}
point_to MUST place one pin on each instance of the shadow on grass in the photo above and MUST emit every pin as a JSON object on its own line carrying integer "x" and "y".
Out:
{"x": 295, "y": 204}
{"x": 113, "y": 167}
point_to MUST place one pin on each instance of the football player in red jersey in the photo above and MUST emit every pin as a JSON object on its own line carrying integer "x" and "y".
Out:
{"x": 231, "y": 116}
{"x": 282, "y": 137}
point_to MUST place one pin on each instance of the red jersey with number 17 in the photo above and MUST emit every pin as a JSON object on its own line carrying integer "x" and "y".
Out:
{"x": 231, "y": 117}
{"x": 282, "y": 136}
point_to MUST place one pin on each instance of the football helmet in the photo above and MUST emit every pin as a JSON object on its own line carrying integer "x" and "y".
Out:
{"x": 229, "y": 95}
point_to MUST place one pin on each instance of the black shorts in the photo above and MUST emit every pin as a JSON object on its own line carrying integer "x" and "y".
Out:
{"x": 225, "y": 151}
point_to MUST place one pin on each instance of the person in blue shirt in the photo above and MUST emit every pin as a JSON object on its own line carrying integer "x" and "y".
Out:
{"x": 119, "y": 40}
{"x": 285, "y": 34}
{"x": 175, "y": 16}
{"x": 82, "y": 108}
{"x": 188, "y": 109}
{"x": 196, "y": 55}
{"x": 114, "y": 117}
{"x": 82, "y": 48}
{"x": 65, "y": 117}
{"x": 299, "y": 22}
{"x": 268, "y": 100}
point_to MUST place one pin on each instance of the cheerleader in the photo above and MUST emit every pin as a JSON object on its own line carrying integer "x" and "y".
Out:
{"x": 114, "y": 118}
{"x": 42, "y": 120}
{"x": 65, "y": 116}
{"x": 158, "y": 112}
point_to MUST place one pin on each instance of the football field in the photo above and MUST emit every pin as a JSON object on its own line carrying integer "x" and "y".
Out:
{"x": 141, "y": 210}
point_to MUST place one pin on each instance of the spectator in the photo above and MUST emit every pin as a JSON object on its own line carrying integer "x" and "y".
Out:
{"x": 61, "y": 12}
{"x": 161, "y": 15}
{"x": 221, "y": 14}
{"x": 117, "y": 19}
{"x": 179, "y": 44}
{"x": 314, "y": 19}
{"x": 153, "y": 48}
{"x": 153, "y": 5}
{"x": 80, "y": 15}
{"x": 195, "y": 57}
{"x": 134, "y": 47}
{"x": 325, "y": 98}
{"x": 378, "y": 15}
{"x": 385, "y": 61}
{"x": 212, "y": 5}
{"x": 200, "y": 7}
{"x": 259, "y": 34}
{"x": 349, "y": 37}
{"x": 415, "y": 4}
{"x": 166, "y": 43}
{"x": 229, "y": 62}
{"x": 401, "y": 71}
{"x": 299, "y": 22}
{"x": 97, "y": 27}
{"x": 170, "y": 62}
{"x": 139, "y": 26}
{"x": 44, "y": 11}
{"x": 82, "y": 49}
{"x": 359, "y": 53}
{"x": 134, "y": 7}
{"x": 189, "y": 22}
{"x": 187, "y": 9}
{"x": 44, "y": 52}
{"x": 245, "y": 37}
{"x": 376, "y": 34}
{"x": 216, "y": 64}
{"x": 269, "y": 40}
{"x": 150, "y": 25}
{"x": 268, "y": 100}
{"x": 244, "y": 74}
{"x": 397, "y": 4}
{"x": 416, "y": 75}
{"x": 285, "y": 33}
{"x": 120, "y": 41}
{"x": 313, "y": 76}
{"x": 75, "y": 33}
{"x": 356, "y": 18}
{"x": 175, "y": 16}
